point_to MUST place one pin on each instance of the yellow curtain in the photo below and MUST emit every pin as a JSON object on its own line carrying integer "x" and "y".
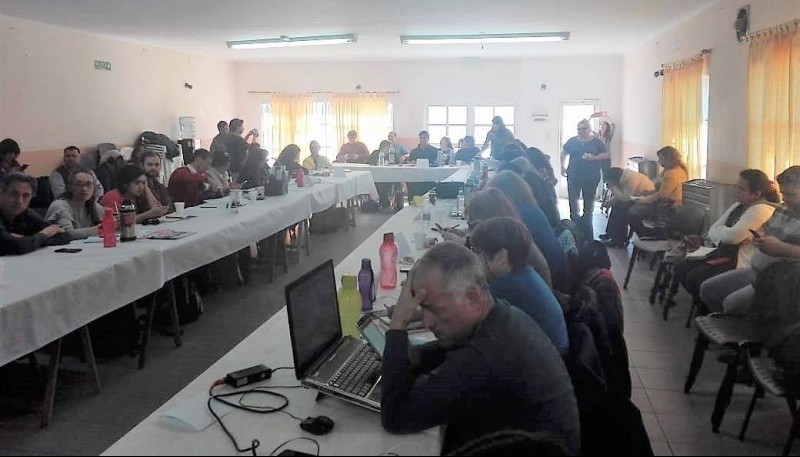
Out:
{"x": 292, "y": 118}
{"x": 773, "y": 99}
{"x": 682, "y": 110}
{"x": 367, "y": 114}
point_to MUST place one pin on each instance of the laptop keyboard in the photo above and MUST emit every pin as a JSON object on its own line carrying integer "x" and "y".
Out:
{"x": 359, "y": 374}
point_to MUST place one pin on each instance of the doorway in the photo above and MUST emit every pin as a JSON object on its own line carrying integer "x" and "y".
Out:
{"x": 572, "y": 112}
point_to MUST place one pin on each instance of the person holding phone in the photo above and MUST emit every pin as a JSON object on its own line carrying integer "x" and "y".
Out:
{"x": 77, "y": 211}
{"x": 22, "y": 230}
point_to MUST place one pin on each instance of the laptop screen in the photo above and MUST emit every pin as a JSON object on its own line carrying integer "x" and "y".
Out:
{"x": 314, "y": 322}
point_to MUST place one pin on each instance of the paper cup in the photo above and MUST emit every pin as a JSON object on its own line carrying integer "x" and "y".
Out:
{"x": 179, "y": 208}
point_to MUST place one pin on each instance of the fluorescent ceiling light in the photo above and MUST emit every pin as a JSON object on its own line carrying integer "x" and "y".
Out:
{"x": 285, "y": 41}
{"x": 486, "y": 38}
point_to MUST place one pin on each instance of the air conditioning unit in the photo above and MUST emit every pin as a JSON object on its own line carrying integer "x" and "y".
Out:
{"x": 714, "y": 197}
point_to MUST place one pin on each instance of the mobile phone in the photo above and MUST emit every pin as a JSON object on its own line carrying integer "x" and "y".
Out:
{"x": 756, "y": 235}
{"x": 68, "y": 250}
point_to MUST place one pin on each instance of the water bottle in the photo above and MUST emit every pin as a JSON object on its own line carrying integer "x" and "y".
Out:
{"x": 109, "y": 229}
{"x": 392, "y": 156}
{"x": 128, "y": 221}
{"x": 388, "y": 254}
{"x": 432, "y": 196}
{"x": 427, "y": 215}
{"x": 460, "y": 201}
{"x": 350, "y": 306}
{"x": 366, "y": 285}
{"x": 300, "y": 177}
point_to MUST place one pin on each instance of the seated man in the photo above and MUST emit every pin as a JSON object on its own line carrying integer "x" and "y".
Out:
{"x": 397, "y": 152}
{"x": 189, "y": 184}
{"x": 469, "y": 151}
{"x": 492, "y": 368}
{"x": 72, "y": 162}
{"x": 353, "y": 151}
{"x": 21, "y": 229}
{"x": 316, "y": 161}
{"x": 424, "y": 150}
{"x": 624, "y": 184}
{"x": 733, "y": 291}
{"x": 151, "y": 162}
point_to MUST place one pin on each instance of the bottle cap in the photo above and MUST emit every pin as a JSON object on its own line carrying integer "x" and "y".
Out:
{"x": 388, "y": 237}
{"x": 349, "y": 282}
{"x": 366, "y": 263}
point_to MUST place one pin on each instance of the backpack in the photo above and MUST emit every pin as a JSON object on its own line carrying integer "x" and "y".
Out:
{"x": 188, "y": 301}
{"x": 44, "y": 195}
{"x": 328, "y": 221}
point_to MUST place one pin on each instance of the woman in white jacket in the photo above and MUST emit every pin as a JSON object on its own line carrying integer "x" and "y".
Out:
{"x": 731, "y": 234}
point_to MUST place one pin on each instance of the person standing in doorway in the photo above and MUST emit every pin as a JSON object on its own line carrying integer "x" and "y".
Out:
{"x": 586, "y": 154}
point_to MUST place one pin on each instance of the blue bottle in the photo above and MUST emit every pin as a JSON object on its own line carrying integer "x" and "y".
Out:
{"x": 366, "y": 285}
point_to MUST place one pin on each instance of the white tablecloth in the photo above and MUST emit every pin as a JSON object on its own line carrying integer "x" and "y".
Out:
{"x": 357, "y": 431}
{"x": 45, "y": 296}
{"x": 401, "y": 173}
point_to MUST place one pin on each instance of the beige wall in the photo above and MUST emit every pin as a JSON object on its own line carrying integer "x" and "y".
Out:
{"x": 433, "y": 82}
{"x": 711, "y": 28}
{"x": 51, "y": 95}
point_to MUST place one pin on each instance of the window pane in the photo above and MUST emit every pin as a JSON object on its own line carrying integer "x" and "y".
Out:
{"x": 437, "y": 132}
{"x": 457, "y": 132}
{"x": 480, "y": 133}
{"x": 458, "y": 115}
{"x": 484, "y": 115}
{"x": 437, "y": 115}
{"x": 506, "y": 112}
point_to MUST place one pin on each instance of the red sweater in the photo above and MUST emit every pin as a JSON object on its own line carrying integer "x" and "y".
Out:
{"x": 186, "y": 186}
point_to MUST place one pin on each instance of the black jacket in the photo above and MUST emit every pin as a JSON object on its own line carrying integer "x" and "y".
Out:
{"x": 27, "y": 225}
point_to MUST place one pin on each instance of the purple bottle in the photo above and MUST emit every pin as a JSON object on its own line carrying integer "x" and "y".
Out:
{"x": 366, "y": 285}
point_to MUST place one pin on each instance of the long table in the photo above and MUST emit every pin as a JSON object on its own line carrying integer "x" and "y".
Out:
{"x": 45, "y": 296}
{"x": 357, "y": 431}
{"x": 402, "y": 173}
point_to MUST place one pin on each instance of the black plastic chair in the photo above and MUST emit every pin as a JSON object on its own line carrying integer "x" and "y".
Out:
{"x": 767, "y": 377}
{"x": 734, "y": 331}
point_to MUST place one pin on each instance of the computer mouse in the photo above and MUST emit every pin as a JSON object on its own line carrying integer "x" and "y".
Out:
{"x": 321, "y": 425}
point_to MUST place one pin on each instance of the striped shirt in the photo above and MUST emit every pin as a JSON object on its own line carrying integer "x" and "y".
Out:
{"x": 783, "y": 225}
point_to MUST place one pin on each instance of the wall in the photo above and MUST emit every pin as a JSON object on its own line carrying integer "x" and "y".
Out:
{"x": 711, "y": 28}
{"x": 433, "y": 82}
{"x": 51, "y": 95}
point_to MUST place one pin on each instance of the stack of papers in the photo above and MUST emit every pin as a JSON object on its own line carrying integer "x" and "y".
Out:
{"x": 701, "y": 253}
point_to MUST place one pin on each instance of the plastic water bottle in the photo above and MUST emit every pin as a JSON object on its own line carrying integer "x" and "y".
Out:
{"x": 427, "y": 214}
{"x": 350, "y": 306}
{"x": 109, "y": 229}
{"x": 366, "y": 285}
{"x": 388, "y": 254}
{"x": 300, "y": 177}
{"x": 460, "y": 202}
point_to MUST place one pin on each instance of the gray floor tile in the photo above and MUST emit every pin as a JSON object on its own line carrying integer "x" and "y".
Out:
{"x": 661, "y": 449}
{"x": 653, "y": 428}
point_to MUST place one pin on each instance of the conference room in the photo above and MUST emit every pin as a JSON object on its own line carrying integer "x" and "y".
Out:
{"x": 370, "y": 227}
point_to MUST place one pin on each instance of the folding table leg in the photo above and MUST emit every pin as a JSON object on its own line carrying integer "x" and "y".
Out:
{"x": 148, "y": 330}
{"x": 91, "y": 362}
{"x": 176, "y": 323}
{"x": 305, "y": 232}
{"x": 52, "y": 381}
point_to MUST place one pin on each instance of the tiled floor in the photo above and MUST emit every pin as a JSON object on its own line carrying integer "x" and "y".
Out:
{"x": 660, "y": 352}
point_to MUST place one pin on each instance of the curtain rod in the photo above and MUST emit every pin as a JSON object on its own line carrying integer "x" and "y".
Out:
{"x": 680, "y": 63}
{"x": 320, "y": 92}
{"x": 772, "y": 31}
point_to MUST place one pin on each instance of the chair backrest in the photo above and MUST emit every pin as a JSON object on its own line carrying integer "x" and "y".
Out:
{"x": 776, "y": 298}
{"x": 688, "y": 220}
{"x": 514, "y": 442}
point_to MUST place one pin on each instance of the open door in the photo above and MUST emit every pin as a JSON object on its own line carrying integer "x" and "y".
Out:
{"x": 572, "y": 112}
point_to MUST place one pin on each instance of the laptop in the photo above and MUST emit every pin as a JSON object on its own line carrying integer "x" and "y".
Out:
{"x": 324, "y": 360}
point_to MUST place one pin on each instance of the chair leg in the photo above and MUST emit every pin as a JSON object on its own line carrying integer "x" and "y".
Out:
{"x": 787, "y": 449}
{"x": 630, "y": 267}
{"x": 148, "y": 330}
{"x": 657, "y": 283}
{"x": 756, "y": 394}
{"x": 691, "y": 313}
{"x": 52, "y": 381}
{"x": 176, "y": 322}
{"x": 725, "y": 393}
{"x": 700, "y": 348}
{"x": 91, "y": 362}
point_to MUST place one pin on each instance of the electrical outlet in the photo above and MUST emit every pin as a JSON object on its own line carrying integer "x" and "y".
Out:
{"x": 102, "y": 65}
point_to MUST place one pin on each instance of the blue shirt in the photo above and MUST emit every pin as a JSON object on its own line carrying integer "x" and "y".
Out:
{"x": 580, "y": 168}
{"x": 547, "y": 242}
{"x": 526, "y": 290}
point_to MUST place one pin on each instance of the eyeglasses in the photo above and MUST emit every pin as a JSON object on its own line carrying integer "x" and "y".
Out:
{"x": 83, "y": 185}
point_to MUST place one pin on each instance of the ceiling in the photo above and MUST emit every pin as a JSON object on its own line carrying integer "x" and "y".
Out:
{"x": 608, "y": 27}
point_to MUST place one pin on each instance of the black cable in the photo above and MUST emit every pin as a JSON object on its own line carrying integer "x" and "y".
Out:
{"x": 251, "y": 408}
{"x": 282, "y": 368}
{"x": 296, "y": 439}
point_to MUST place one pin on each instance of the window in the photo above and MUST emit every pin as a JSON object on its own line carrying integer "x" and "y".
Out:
{"x": 323, "y": 129}
{"x": 449, "y": 121}
{"x": 483, "y": 120}
{"x": 704, "y": 128}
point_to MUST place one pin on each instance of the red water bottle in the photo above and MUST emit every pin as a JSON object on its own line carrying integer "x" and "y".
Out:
{"x": 300, "y": 177}
{"x": 109, "y": 229}
{"x": 388, "y": 254}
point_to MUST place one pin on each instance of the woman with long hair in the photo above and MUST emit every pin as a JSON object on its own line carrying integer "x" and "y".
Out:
{"x": 255, "y": 171}
{"x": 670, "y": 191}
{"x": 446, "y": 151}
{"x": 290, "y": 158}
{"x": 77, "y": 211}
{"x": 131, "y": 183}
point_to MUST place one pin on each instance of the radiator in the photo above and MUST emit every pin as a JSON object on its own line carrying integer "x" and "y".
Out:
{"x": 714, "y": 197}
